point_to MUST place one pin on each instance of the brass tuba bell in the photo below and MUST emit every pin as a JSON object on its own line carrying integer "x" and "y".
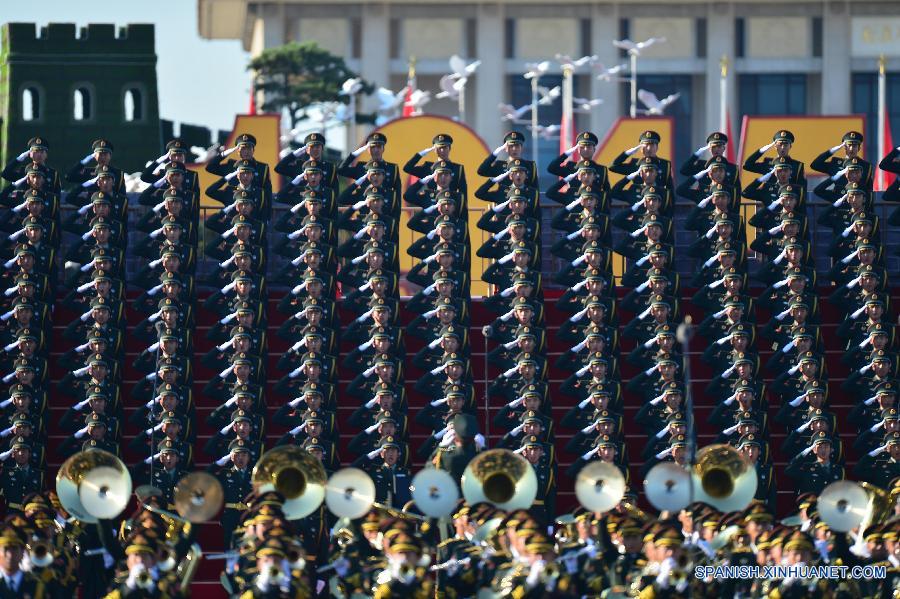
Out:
{"x": 501, "y": 478}
{"x": 296, "y": 475}
{"x": 93, "y": 484}
{"x": 723, "y": 478}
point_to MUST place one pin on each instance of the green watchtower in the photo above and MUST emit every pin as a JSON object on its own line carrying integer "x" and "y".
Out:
{"x": 72, "y": 89}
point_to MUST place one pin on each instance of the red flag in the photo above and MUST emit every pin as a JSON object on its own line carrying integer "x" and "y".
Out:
{"x": 884, "y": 178}
{"x": 732, "y": 142}
{"x": 408, "y": 108}
{"x": 252, "y": 109}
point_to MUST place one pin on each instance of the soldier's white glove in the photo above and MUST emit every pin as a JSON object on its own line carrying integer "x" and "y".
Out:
{"x": 21, "y": 157}
{"x": 631, "y": 151}
{"x": 766, "y": 148}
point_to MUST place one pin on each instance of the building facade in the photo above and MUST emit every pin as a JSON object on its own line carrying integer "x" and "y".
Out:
{"x": 799, "y": 57}
{"x": 74, "y": 86}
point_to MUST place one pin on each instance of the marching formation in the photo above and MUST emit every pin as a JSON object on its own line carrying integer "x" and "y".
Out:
{"x": 329, "y": 512}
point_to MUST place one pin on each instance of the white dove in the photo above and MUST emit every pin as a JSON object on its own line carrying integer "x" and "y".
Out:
{"x": 607, "y": 74}
{"x": 133, "y": 183}
{"x": 450, "y": 87}
{"x": 565, "y": 59}
{"x": 655, "y": 105}
{"x": 635, "y": 48}
{"x": 548, "y": 95}
{"x": 388, "y": 101}
{"x": 509, "y": 113}
{"x": 548, "y": 132}
{"x": 536, "y": 69}
{"x": 417, "y": 99}
{"x": 462, "y": 70}
{"x": 584, "y": 105}
{"x": 351, "y": 86}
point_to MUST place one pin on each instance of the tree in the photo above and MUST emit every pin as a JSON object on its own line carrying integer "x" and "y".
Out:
{"x": 296, "y": 76}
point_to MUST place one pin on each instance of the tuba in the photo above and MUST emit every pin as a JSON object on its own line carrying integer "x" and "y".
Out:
{"x": 723, "y": 478}
{"x": 500, "y": 477}
{"x": 92, "y": 485}
{"x": 40, "y": 553}
{"x": 296, "y": 475}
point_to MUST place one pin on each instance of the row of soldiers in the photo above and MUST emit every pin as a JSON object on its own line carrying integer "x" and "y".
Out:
{"x": 516, "y": 267}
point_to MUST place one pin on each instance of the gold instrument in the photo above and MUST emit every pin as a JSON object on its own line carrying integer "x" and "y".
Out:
{"x": 600, "y": 486}
{"x": 188, "y": 566}
{"x": 296, "y": 475}
{"x": 500, "y": 477}
{"x": 40, "y": 553}
{"x": 198, "y": 497}
{"x": 723, "y": 478}
{"x": 93, "y": 485}
{"x": 878, "y": 506}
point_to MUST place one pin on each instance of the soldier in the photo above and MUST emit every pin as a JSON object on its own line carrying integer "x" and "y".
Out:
{"x": 19, "y": 478}
{"x": 814, "y": 477}
{"x": 236, "y": 485}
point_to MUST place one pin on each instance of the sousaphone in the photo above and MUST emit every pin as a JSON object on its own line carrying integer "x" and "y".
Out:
{"x": 296, "y": 475}
{"x": 501, "y": 478}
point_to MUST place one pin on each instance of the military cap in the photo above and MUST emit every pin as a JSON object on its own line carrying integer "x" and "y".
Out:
{"x": 32, "y": 222}
{"x": 442, "y": 139}
{"x": 315, "y": 139}
{"x": 717, "y": 138}
{"x": 649, "y": 162}
{"x": 245, "y": 139}
{"x": 34, "y": 169}
{"x": 881, "y": 356}
{"x": 175, "y": 167}
{"x": 170, "y": 418}
{"x": 241, "y": 416}
{"x": 376, "y": 138}
{"x": 26, "y": 333}
{"x": 104, "y": 170}
{"x": 748, "y": 440}
{"x": 514, "y": 137}
{"x": 312, "y": 417}
{"x": 892, "y": 438}
{"x": 783, "y": 135}
{"x": 650, "y": 136}
{"x": 375, "y": 166}
{"x": 452, "y": 358}
{"x": 237, "y": 446}
{"x": 38, "y": 143}
{"x": 853, "y": 137}
{"x": 854, "y": 164}
{"x": 441, "y": 166}
{"x": 21, "y": 419}
{"x": 20, "y": 442}
{"x": 678, "y": 441}
{"x": 821, "y": 437}
{"x": 886, "y": 388}
{"x": 386, "y": 360}
{"x": 586, "y": 138}
{"x": 532, "y": 441}
{"x": 854, "y": 188}
{"x": 389, "y": 442}
{"x": 176, "y": 145}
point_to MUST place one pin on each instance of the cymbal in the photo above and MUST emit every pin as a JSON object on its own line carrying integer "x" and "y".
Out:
{"x": 350, "y": 493}
{"x": 668, "y": 487}
{"x": 600, "y": 486}
{"x": 842, "y": 505}
{"x": 198, "y": 497}
{"x": 434, "y": 492}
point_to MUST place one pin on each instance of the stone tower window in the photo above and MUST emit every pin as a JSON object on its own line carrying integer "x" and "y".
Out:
{"x": 134, "y": 105}
{"x": 31, "y": 104}
{"x": 81, "y": 98}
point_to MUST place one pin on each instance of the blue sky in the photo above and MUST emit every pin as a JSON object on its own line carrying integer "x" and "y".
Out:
{"x": 201, "y": 82}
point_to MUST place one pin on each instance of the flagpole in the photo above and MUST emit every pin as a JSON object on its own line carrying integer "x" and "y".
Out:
{"x": 567, "y": 107}
{"x": 462, "y": 105}
{"x": 534, "y": 118}
{"x": 882, "y": 108}
{"x": 633, "y": 84}
{"x": 723, "y": 95}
